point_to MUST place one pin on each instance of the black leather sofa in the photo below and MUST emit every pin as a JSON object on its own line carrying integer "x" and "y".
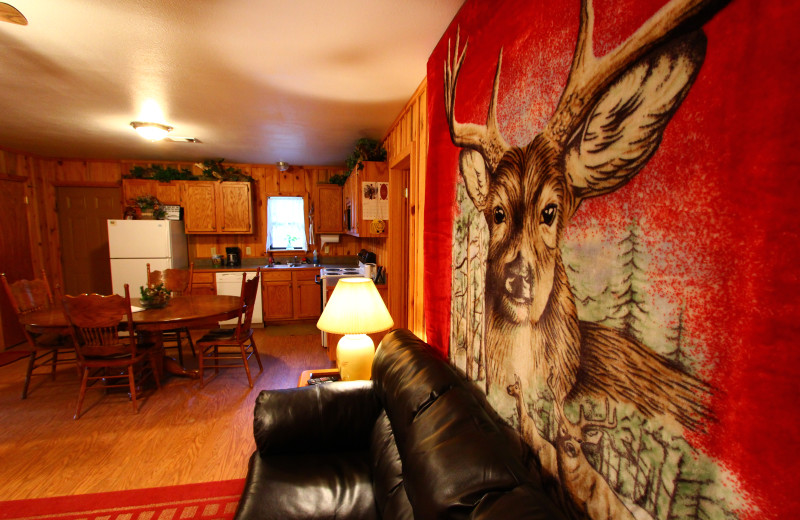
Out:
{"x": 418, "y": 441}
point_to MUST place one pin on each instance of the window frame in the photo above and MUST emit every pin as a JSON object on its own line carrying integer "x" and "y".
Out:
{"x": 268, "y": 245}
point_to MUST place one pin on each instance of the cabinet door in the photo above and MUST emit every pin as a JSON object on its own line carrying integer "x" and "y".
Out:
{"x": 168, "y": 193}
{"x": 203, "y": 283}
{"x": 132, "y": 188}
{"x": 199, "y": 207}
{"x": 307, "y": 295}
{"x": 236, "y": 215}
{"x": 352, "y": 202}
{"x": 277, "y": 301}
{"x": 329, "y": 209}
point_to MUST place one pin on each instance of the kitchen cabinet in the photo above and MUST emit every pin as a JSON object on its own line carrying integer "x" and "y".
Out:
{"x": 203, "y": 282}
{"x": 328, "y": 213}
{"x": 353, "y": 199}
{"x": 290, "y": 294}
{"x": 165, "y": 192}
{"x": 307, "y": 296}
{"x": 133, "y": 188}
{"x": 217, "y": 207}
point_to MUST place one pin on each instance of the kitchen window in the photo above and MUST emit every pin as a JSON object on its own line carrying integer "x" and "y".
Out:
{"x": 286, "y": 228}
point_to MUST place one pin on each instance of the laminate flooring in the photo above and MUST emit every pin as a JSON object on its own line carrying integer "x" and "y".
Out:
{"x": 182, "y": 434}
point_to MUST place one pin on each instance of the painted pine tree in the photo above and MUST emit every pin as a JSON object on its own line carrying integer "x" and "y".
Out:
{"x": 467, "y": 312}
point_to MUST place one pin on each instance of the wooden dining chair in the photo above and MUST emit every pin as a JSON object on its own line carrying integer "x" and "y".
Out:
{"x": 48, "y": 349}
{"x": 103, "y": 353}
{"x": 232, "y": 347}
{"x": 178, "y": 282}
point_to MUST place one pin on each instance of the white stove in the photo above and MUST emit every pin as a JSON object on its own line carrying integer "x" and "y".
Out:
{"x": 332, "y": 274}
{"x": 328, "y": 277}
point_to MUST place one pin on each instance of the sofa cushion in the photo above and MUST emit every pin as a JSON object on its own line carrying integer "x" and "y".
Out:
{"x": 320, "y": 418}
{"x": 319, "y": 486}
{"x": 409, "y": 375}
{"x": 456, "y": 455}
{"x": 458, "y": 458}
{"x": 387, "y": 473}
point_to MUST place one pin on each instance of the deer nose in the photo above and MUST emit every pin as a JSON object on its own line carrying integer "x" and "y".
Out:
{"x": 519, "y": 281}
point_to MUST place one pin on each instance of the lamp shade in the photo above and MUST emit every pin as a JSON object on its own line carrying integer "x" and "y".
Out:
{"x": 355, "y": 307}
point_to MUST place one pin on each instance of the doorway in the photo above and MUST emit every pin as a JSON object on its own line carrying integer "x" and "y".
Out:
{"x": 400, "y": 294}
{"x": 82, "y": 215}
{"x": 15, "y": 254}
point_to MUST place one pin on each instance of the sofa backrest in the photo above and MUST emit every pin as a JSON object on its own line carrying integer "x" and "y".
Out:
{"x": 457, "y": 460}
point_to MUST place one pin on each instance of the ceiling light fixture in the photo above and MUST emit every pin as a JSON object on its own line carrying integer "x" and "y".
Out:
{"x": 283, "y": 166}
{"x": 151, "y": 131}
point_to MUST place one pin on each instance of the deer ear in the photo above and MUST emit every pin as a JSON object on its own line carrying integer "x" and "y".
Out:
{"x": 473, "y": 170}
{"x": 624, "y": 129}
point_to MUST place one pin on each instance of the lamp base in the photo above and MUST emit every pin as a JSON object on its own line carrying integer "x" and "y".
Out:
{"x": 354, "y": 354}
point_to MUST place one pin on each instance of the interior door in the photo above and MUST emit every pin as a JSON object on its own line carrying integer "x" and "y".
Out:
{"x": 82, "y": 216}
{"x": 15, "y": 254}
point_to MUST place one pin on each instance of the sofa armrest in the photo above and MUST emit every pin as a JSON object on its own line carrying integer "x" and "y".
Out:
{"x": 327, "y": 417}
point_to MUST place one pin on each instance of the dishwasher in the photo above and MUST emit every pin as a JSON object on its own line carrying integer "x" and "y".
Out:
{"x": 230, "y": 284}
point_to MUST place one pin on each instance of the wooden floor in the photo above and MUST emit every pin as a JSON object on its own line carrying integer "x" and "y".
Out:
{"x": 181, "y": 435}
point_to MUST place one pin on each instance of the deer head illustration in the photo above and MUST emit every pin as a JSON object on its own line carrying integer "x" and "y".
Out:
{"x": 607, "y": 125}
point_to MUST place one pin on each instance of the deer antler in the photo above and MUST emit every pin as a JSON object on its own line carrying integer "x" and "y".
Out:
{"x": 589, "y": 75}
{"x": 609, "y": 422}
{"x": 487, "y": 139}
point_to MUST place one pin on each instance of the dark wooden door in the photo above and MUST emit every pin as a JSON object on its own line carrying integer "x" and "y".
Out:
{"x": 15, "y": 254}
{"x": 82, "y": 216}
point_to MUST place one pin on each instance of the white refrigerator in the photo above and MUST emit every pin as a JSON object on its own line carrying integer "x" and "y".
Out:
{"x": 133, "y": 244}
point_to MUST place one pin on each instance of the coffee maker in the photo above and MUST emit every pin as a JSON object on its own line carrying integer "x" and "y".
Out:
{"x": 233, "y": 256}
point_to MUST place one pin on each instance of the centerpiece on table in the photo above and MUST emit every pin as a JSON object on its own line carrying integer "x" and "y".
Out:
{"x": 155, "y": 297}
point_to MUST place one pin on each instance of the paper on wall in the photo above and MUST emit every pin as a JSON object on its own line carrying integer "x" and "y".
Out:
{"x": 375, "y": 200}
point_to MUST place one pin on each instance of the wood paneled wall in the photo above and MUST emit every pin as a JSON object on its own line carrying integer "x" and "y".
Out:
{"x": 42, "y": 175}
{"x": 407, "y": 145}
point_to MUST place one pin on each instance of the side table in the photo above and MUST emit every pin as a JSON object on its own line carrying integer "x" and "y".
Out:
{"x": 306, "y": 374}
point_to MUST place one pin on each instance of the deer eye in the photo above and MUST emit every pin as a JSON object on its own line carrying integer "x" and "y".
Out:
{"x": 548, "y": 214}
{"x": 499, "y": 215}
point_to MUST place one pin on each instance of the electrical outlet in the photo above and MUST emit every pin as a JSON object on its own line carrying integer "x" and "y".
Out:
{"x": 247, "y": 251}
{"x": 213, "y": 251}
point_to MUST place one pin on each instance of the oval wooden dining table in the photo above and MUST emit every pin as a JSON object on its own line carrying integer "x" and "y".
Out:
{"x": 199, "y": 311}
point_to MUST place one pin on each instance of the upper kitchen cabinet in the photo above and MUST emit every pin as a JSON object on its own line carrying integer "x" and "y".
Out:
{"x": 366, "y": 201}
{"x": 217, "y": 207}
{"x": 329, "y": 209}
{"x": 165, "y": 192}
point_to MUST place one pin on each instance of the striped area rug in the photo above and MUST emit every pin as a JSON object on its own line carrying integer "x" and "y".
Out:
{"x": 207, "y": 501}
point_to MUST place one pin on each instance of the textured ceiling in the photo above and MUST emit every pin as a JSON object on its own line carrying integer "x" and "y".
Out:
{"x": 255, "y": 81}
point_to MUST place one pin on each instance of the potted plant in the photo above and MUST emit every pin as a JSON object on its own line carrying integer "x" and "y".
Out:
{"x": 145, "y": 207}
{"x": 213, "y": 170}
{"x": 365, "y": 149}
{"x": 154, "y": 297}
{"x": 160, "y": 173}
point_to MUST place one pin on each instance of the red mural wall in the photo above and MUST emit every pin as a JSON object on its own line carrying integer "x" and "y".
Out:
{"x": 695, "y": 259}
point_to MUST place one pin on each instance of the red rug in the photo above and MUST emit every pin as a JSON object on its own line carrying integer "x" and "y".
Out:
{"x": 9, "y": 356}
{"x": 206, "y": 501}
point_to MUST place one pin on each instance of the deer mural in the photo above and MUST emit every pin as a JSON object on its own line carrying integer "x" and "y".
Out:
{"x": 608, "y": 124}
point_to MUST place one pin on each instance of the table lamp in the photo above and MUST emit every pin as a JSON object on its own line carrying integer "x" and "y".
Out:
{"x": 355, "y": 309}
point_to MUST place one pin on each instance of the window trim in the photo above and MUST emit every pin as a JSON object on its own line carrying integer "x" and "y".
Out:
{"x": 306, "y": 202}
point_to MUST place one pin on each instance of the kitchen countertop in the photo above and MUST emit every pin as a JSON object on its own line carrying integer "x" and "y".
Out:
{"x": 206, "y": 265}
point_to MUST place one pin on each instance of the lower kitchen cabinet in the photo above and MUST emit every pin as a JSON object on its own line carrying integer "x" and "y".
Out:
{"x": 290, "y": 294}
{"x": 203, "y": 283}
{"x": 307, "y": 295}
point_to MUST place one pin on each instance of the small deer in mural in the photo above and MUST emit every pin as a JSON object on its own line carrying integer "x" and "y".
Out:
{"x": 607, "y": 125}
